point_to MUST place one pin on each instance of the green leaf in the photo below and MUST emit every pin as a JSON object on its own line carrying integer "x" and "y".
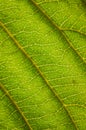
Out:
{"x": 42, "y": 65}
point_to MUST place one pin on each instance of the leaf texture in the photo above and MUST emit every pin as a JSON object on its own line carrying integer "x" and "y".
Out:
{"x": 42, "y": 65}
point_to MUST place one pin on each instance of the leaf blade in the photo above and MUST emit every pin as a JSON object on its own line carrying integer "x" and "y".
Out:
{"x": 47, "y": 54}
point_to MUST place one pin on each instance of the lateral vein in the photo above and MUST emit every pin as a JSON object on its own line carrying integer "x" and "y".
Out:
{"x": 58, "y": 28}
{"x": 15, "y": 104}
{"x": 40, "y": 72}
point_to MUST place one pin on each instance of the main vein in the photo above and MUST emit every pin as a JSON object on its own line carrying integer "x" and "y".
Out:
{"x": 40, "y": 72}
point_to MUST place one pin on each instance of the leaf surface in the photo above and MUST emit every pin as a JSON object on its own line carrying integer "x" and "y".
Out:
{"x": 42, "y": 65}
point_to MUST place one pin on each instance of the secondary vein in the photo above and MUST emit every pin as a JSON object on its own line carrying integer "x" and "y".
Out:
{"x": 15, "y": 104}
{"x": 58, "y": 28}
{"x": 40, "y": 72}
